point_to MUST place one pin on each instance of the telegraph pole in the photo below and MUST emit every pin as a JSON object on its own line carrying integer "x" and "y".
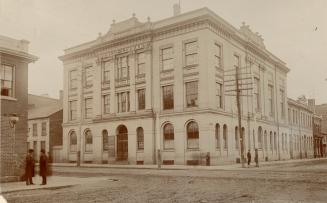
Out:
{"x": 238, "y": 98}
{"x": 239, "y": 84}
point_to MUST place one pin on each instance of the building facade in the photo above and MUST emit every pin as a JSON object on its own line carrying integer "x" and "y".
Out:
{"x": 321, "y": 142}
{"x": 14, "y": 60}
{"x": 300, "y": 139}
{"x": 149, "y": 91}
{"x": 44, "y": 124}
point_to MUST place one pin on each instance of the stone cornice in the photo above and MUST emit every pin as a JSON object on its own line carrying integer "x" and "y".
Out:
{"x": 202, "y": 19}
{"x": 24, "y": 57}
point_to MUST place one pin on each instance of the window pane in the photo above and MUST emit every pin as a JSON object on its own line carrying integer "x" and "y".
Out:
{"x": 191, "y": 48}
{"x": 167, "y": 64}
{"x": 192, "y": 94}
{"x": 168, "y": 97}
{"x": 141, "y": 99}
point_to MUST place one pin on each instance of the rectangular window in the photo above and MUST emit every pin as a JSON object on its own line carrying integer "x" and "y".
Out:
{"x": 7, "y": 80}
{"x": 256, "y": 92}
{"x": 123, "y": 102}
{"x": 88, "y": 77}
{"x": 34, "y": 129}
{"x": 141, "y": 99}
{"x": 122, "y": 68}
{"x": 167, "y": 58}
{"x": 88, "y": 108}
{"x": 73, "y": 79}
{"x": 43, "y": 145}
{"x": 217, "y": 52}
{"x": 140, "y": 64}
{"x": 168, "y": 97}
{"x": 282, "y": 103}
{"x": 44, "y": 129}
{"x": 106, "y": 73}
{"x": 270, "y": 100}
{"x": 219, "y": 95}
{"x": 106, "y": 104}
{"x": 191, "y": 94}
{"x": 191, "y": 53}
{"x": 72, "y": 110}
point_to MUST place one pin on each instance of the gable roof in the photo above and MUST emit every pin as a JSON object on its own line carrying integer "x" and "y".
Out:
{"x": 43, "y": 112}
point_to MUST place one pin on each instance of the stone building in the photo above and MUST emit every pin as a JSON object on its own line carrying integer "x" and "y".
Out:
{"x": 321, "y": 141}
{"x": 14, "y": 60}
{"x": 44, "y": 124}
{"x": 149, "y": 91}
{"x": 300, "y": 139}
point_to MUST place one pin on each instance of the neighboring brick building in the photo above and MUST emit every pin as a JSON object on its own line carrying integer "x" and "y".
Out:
{"x": 14, "y": 60}
{"x": 44, "y": 123}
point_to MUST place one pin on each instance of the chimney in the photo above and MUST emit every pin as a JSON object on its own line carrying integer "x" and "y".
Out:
{"x": 177, "y": 9}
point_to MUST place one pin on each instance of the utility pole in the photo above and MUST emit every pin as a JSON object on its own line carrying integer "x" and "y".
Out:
{"x": 238, "y": 98}
{"x": 236, "y": 85}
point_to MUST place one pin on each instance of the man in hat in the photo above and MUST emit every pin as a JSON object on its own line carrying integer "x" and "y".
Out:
{"x": 43, "y": 166}
{"x": 249, "y": 158}
{"x": 29, "y": 167}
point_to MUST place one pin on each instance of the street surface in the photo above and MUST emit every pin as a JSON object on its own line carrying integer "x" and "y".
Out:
{"x": 292, "y": 182}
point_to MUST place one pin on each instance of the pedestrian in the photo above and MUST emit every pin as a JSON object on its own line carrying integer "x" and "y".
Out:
{"x": 249, "y": 158}
{"x": 43, "y": 166}
{"x": 29, "y": 167}
{"x": 256, "y": 158}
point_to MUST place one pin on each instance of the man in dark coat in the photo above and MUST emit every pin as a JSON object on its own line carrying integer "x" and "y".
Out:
{"x": 43, "y": 166}
{"x": 249, "y": 158}
{"x": 256, "y": 158}
{"x": 29, "y": 167}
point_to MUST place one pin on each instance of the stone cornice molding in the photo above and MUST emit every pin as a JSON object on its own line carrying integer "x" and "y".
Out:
{"x": 23, "y": 57}
{"x": 205, "y": 19}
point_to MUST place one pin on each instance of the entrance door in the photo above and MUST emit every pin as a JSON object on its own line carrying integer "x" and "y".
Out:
{"x": 122, "y": 143}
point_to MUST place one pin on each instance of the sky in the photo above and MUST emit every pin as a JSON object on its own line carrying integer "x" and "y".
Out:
{"x": 293, "y": 30}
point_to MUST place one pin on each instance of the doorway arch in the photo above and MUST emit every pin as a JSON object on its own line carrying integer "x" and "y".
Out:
{"x": 122, "y": 143}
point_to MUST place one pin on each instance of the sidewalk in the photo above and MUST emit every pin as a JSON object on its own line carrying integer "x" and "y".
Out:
{"x": 187, "y": 167}
{"x": 53, "y": 182}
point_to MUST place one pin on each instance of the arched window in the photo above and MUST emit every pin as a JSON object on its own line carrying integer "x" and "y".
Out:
{"x": 260, "y": 137}
{"x": 271, "y": 140}
{"x": 168, "y": 136}
{"x": 192, "y": 130}
{"x": 88, "y": 141}
{"x": 105, "y": 140}
{"x": 73, "y": 141}
{"x": 217, "y": 136}
{"x": 140, "y": 138}
{"x": 265, "y": 140}
{"x": 237, "y": 141}
{"x": 225, "y": 132}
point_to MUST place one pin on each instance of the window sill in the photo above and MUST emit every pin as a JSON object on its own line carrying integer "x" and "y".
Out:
{"x": 88, "y": 86}
{"x": 190, "y": 66}
{"x": 140, "y": 151}
{"x": 193, "y": 150}
{"x": 191, "y": 108}
{"x": 167, "y": 71}
{"x": 7, "y": 98}
{"x": 168, "y": 150}
{"x": 88, "y": 152}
